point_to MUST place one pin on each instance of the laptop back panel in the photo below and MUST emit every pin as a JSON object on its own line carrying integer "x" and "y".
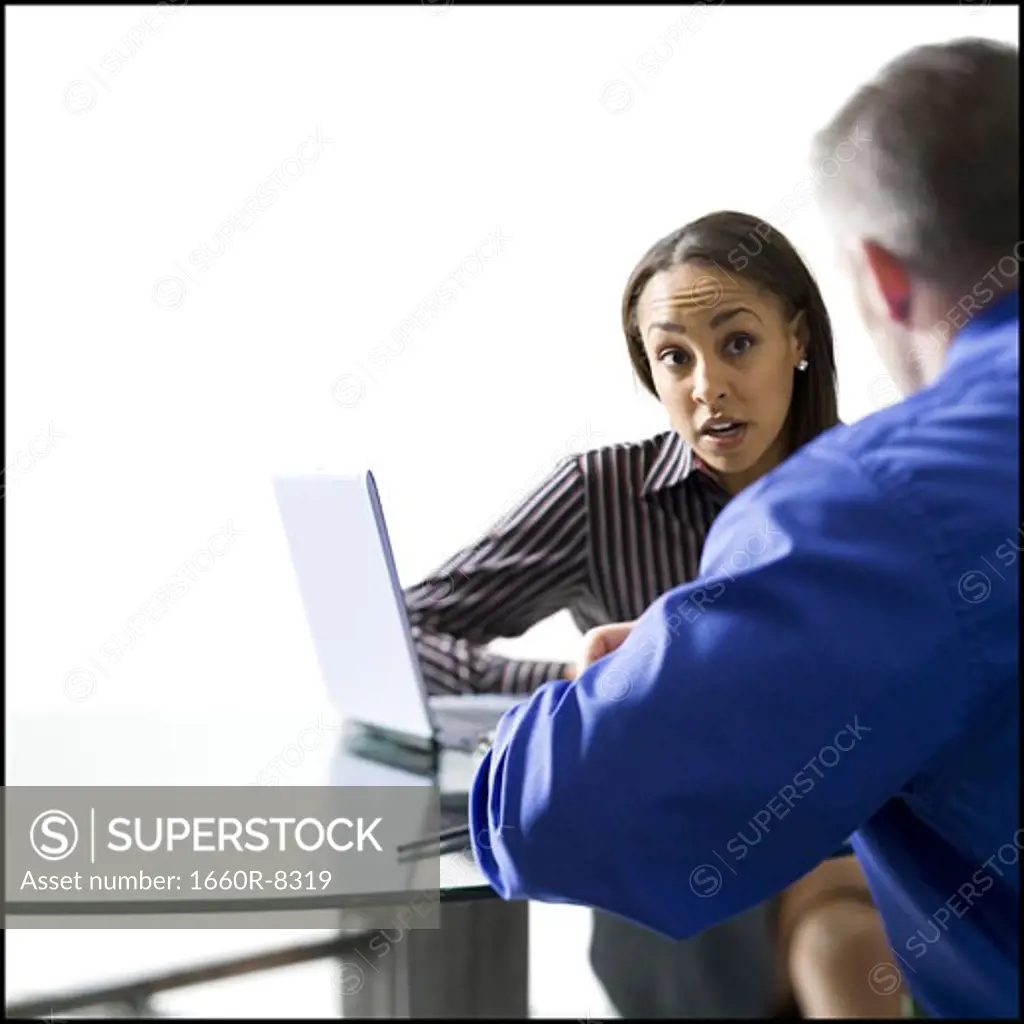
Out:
{"x": 353, "y": 600}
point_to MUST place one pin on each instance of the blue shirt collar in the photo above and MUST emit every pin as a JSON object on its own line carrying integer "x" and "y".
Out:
{"x": 1006, "y": 308}
{"x": 965, "y": 345}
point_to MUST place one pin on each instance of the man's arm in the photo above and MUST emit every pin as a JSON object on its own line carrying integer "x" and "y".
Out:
{"x": 527, "y": 567}
{"x": 750, "y": 723}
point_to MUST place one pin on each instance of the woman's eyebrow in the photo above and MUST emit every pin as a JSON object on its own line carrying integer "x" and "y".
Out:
{"x": 665, "y": 325}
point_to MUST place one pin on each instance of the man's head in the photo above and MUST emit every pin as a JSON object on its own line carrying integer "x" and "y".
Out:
{"x": 926, "y": 214}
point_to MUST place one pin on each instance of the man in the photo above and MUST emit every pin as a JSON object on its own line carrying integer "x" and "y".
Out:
{"x": 847, "y": 662}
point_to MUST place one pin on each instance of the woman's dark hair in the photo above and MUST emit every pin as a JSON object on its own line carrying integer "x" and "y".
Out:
{"x": 763, "y": 256}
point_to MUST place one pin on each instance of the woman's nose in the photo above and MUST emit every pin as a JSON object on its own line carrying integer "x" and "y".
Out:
{"x": 708, "y": 385}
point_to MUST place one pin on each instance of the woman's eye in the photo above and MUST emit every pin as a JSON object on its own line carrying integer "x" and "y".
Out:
{"x": 739, "y": 343}
{"x": 674, "y": 357}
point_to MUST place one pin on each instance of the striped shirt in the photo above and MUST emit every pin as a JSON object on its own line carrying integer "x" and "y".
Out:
{"x": 603, "y": 536}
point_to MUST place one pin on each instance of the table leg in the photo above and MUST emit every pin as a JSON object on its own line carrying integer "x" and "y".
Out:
{"x": 474, "y": 966}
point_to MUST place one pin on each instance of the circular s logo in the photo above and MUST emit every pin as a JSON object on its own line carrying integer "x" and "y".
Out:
{"x": 350, "y": 977}
{"x": 974, "y": 587}
{"x": 616, "y": 97}
{"x": 706, "y": 292}
{"x": 705, "y": 880}
{"x": 884, "y": 391}
{"x": 884, "y": 979}
{"x": 54, "y": 835}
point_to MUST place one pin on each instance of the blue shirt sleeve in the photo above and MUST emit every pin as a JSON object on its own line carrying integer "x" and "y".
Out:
{"x": 750, "y": 723}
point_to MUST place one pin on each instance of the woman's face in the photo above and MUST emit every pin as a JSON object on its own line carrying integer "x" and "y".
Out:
{"x": 722, "y": 356}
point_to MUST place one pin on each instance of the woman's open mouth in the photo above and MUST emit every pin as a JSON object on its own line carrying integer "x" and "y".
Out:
{"x": 723, "y": 435}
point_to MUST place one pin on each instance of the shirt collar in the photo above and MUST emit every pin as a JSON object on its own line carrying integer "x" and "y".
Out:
{"x": 672, "y": 465}
{"x": 965, "y": 344}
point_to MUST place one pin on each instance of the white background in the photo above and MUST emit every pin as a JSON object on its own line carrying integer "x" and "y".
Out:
{"x": 142, "y": 416}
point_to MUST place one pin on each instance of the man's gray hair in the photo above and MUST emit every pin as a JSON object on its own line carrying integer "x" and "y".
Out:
{"x": 936, "y": 178}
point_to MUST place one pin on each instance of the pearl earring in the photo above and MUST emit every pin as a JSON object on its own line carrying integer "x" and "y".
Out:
{"x": 802, "y": 365}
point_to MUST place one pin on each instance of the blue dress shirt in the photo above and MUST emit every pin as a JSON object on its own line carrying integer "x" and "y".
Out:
{"x": 846, "y": 664}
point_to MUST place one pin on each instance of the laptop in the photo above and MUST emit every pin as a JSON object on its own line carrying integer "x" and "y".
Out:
{"x": 357, "y": 617}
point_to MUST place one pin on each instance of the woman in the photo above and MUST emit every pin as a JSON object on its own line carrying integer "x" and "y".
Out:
{"x": 726, "y": 327}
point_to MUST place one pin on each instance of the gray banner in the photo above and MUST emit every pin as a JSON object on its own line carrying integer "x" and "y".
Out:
{"x": 218, "y": 856}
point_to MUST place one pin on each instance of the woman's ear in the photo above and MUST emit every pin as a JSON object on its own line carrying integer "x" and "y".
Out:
{"x": 799, "y": 334}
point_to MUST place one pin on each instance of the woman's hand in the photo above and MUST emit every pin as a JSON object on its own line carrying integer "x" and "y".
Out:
{"x": 599, "y": 642}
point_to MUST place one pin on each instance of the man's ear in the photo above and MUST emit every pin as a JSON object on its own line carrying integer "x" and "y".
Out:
{"x": 891, "y": 280}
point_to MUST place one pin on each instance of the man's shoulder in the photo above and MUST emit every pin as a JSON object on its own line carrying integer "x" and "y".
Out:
{"x": 954, "y": 433}
{"x": 937, "y": 474}
{"x": 960, "y": 435}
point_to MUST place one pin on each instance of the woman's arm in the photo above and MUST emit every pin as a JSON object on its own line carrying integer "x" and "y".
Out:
{"x": 831, "y": 941}
{"x": 526, "y": 568}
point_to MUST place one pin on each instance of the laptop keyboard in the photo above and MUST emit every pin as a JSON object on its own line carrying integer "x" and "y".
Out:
{"x": 482, "y": 719}
{"x": 453, "y": 817}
